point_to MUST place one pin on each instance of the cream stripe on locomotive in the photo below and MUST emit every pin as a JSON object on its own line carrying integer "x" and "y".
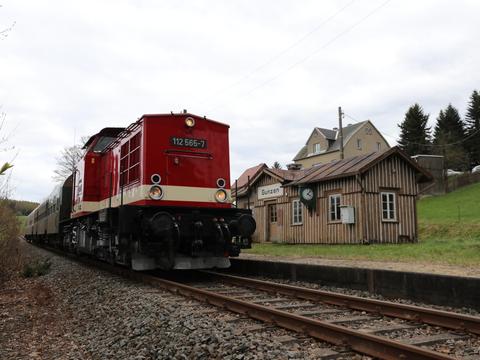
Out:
{"x": 170, "y": 193}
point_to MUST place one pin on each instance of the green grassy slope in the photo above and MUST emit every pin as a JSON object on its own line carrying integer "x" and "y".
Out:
{"x": 462, "y": 205}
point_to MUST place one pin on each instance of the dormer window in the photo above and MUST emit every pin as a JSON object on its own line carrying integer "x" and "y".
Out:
{"x": 316, "y": 148}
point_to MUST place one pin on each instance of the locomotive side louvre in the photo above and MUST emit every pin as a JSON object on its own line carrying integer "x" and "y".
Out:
{"x": 154, "y": 195}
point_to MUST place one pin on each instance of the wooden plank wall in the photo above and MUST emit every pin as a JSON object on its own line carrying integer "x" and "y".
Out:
{"x": 392, "y": 174}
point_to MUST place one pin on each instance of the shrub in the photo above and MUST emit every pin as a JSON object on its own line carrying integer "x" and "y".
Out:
{"x": 10, "y": 255}
{"x": 38, "y": 268}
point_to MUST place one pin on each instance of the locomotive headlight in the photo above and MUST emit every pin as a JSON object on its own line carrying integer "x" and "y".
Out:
{"x": 221, "y": 195}
{"x": 155, "y": 192}
{"x": 189, "y": 121}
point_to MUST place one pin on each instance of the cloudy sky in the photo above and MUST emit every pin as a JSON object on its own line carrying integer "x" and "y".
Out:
{"x": 271, "y": 69}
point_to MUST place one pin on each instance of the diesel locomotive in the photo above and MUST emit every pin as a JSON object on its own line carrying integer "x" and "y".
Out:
{"x": 153, "y": 195}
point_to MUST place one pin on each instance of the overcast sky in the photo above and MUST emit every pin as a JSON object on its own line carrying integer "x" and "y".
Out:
{"x": 273, "y": 70}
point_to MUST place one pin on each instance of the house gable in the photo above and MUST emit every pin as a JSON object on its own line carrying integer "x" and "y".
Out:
{"x": 366, "y": 138}
{"x": 360, "y": 138}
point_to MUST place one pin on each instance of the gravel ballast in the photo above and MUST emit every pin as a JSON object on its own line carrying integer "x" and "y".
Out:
{"x": 77, "y": 312}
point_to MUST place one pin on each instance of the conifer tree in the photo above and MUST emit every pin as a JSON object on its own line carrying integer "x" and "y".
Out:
{"x": 472, "y": 124}
{"x": 449, "y": 138}
{"x": 415, "y": 134}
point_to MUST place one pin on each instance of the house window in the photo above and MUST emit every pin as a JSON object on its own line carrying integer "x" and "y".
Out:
{"x": 316, "y": 148}
{"x": 359, "y": 144}
{"x": 379, "y": 146}
{"x": 334, "y": 209}
{"x": 297, "y": 212}
{"x": 389, "y": 211}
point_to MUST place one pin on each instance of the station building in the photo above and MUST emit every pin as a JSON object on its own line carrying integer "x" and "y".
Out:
{"x": 367, "y": 198}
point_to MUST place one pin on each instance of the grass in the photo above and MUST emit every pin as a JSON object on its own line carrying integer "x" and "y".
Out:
{"x": 449, "y": 232}
{"x": 22, "y": 219}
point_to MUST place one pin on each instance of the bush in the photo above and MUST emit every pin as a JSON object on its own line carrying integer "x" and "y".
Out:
{"x": 10, "y": 255}
{"x": 38, "y": 268}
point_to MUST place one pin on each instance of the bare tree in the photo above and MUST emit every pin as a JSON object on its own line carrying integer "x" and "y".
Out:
{"x": 4, "y": 32}
{"x": 3, "y": 169}
{"x": 67, "y": 161}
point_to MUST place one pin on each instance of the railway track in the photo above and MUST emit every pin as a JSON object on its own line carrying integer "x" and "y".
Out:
{"x": 353, "y": 323}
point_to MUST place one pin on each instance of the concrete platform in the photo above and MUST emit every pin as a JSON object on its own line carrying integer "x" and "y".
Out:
{"x": 446, "y": 290}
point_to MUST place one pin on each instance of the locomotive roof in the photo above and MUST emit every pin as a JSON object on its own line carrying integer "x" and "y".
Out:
{"x": 184, "y": 114}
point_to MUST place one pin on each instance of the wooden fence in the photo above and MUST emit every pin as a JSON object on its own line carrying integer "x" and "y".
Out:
{"x": 458, "y": 181}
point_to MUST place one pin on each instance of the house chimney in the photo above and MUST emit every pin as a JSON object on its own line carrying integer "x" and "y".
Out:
{"x": 294, "y": 166}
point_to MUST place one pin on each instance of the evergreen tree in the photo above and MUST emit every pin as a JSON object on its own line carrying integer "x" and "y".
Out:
{"x": 449, "y": 136}
{"x": 415, "y": 134}
{"x": 276, "y": 165}
{"x": 472, "y": 123}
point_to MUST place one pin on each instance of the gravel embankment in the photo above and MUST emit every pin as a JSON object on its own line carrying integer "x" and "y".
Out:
{"x": 75, "y": 312}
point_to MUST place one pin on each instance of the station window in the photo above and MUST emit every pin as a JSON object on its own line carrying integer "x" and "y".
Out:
{"x": 334, "y": 207}
{"x": 359, "y": 144}
{"x": 316, "y": 148}
{"x": 389, "y": 212}
{"x": 297, "y": 212}
{"x": 379, "y": 146}
{"x": 273, "y": 213}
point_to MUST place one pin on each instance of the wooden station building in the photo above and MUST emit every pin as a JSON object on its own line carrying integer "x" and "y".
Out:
{"x": 370, "y": 198}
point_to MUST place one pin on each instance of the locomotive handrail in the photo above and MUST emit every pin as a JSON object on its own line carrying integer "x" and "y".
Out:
{"x": 189, "y": 153}
{"x": 122, "y": 135}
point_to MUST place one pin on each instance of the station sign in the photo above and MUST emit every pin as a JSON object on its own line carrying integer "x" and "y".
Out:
{"x": 269, "y": 191}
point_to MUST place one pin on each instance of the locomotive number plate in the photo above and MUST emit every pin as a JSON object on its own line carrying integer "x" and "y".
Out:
{"x": 188, "y": 142}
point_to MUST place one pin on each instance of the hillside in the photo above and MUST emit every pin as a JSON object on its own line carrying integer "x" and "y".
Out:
{"x": 462, "y": 205}
{"x": 452, "y": 216}
{"x": 20, "y": 207}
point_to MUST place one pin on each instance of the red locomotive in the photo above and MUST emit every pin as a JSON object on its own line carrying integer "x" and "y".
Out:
{"x": 153, "y": 195}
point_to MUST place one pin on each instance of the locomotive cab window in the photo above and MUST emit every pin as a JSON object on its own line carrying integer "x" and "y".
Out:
{"x": 102, "y": 143}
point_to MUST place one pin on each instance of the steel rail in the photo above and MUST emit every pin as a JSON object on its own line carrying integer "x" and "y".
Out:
{"x": 435, "y": 317}
{"x": 368, "y": 344}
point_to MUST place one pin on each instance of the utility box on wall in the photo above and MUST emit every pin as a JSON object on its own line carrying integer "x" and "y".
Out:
{"x": 347, "y": 214}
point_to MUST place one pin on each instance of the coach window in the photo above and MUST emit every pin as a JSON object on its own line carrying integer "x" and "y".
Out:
{"x": 297, "y": 212}
{"x": 389, "y": 211}
{"x": 334, "y": 207}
